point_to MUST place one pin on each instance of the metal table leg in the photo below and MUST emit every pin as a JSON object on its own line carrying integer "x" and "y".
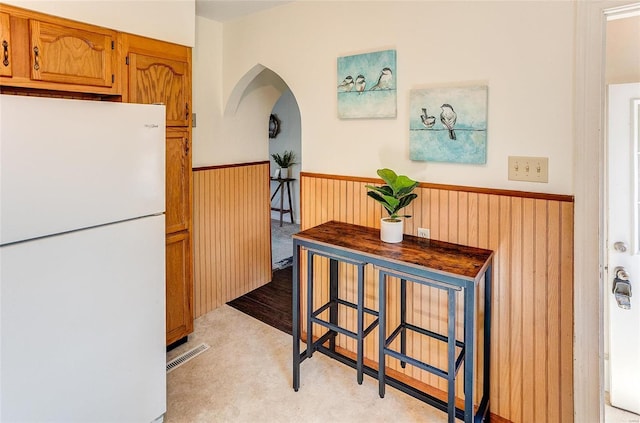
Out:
{"x": 309, "y": 303}
{"x": 382, "y": 332}
{"x": 486, "y": 387}
{"x": 469, "y": 350}
{"x": 403, "y": 319}
{"x": 296, "y": 316}
{"x": 333, "y": 297}
{"x": 451, "y": 360}
{"x": 360, "y": 338}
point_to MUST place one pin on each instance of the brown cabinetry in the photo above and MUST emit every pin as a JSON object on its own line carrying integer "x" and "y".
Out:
{"x": 5, "y": 42}
{"x": 50, "y": 53}
{"x": 159, "y": 72}
{"x": 72, "y": 55}
{"x": 179, "y": 295}
{"x": 178, "y": 173}
{"x": 160, "y": 80}
{"x": 179, "y": 278}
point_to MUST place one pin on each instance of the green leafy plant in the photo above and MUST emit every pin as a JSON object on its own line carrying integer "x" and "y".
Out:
{"x": 285, "y": 160}
{"x": 396, "y": 194}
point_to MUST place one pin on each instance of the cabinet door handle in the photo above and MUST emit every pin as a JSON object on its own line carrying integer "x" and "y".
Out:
{"x": 5, "y": 47}
{"x": 36, "y": 58}
{"x": 186, "y": 107}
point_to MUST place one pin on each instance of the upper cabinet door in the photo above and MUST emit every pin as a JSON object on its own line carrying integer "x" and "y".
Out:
{"x": 72, "y": 55}
{"x": 5, "y": 45}
{"x": 158, "y": 72}
{"x": 155, "y": 79}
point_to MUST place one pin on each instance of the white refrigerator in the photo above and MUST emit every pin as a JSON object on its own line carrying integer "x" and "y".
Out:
{"x": 82, "y": 261}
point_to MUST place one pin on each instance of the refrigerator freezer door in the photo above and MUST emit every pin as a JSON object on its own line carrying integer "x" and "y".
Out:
{"x": 82, "y": 326}
{"x": 70, "y": 164}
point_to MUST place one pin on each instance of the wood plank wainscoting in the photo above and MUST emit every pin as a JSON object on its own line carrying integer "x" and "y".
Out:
{"x": 232, "y": 232}
{"x": 532, "y": 301}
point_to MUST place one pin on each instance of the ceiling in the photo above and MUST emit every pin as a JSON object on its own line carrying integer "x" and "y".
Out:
{"x": 227, "y": 10}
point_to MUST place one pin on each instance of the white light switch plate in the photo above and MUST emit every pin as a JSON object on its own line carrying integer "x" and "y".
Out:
{"x": 530, "y": 169}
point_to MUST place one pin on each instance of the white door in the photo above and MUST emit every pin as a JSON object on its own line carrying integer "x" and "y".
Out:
{"x": 623, "y": 246}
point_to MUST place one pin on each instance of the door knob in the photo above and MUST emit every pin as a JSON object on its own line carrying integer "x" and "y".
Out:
{"x": 622, "y": 288}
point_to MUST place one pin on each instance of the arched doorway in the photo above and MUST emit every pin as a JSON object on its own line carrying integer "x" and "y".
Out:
{"x": 287, "y": 139}
{"x": 262, "y": 93}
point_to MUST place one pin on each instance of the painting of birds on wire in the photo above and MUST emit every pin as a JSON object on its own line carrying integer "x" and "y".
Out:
{"x": 448, "y": 125}
{"x": 367, "y": 85}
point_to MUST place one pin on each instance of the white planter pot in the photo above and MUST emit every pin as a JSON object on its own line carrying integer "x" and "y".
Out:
{"x": 391, "y": 230}
{"x": 284, "y": 172}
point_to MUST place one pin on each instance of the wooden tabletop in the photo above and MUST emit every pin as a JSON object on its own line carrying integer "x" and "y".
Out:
{"x": 445, "y": 257}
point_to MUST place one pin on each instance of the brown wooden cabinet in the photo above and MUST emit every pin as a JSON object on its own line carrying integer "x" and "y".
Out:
{"x": 159, "y": 72}
{"x": 160, "y": 80}
{"x": 178, "y": 180}
{"x": 72, "y": 55}
{"x": 50, "y": 53}
{"x": 179, "y": 290}
{"x": 5, "y": 43}
{"x": 178, "y": 220}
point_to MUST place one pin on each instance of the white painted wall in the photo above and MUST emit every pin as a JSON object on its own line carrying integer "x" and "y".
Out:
{"x": 529, "y": 73}
{"x": 167, "y": 20}
{"x": 207, "y": 83}
{"x": 240, "y": 136}
{"x": 245, "y": 134}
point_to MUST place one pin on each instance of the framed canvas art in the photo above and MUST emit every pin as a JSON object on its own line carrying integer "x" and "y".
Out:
{"x": 448, "y": 125}
{"x": 367, "y": 85}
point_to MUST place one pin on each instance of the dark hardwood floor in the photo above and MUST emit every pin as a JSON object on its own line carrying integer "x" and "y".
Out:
{"x": 271, "y": 303}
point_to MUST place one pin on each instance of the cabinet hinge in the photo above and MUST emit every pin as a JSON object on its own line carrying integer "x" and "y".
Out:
{"x": 113, "y": 45}
{"x": 126, "y": 60}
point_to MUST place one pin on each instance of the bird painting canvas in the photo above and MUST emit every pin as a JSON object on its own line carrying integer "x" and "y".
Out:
{"x": 448, "y": 125}
{"x": 366, "y": 85}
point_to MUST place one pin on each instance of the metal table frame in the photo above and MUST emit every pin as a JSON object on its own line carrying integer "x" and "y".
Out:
{"x": 388, "y": 266}
{"x": 467, "y": 346}
{"x": 332, "y": 305}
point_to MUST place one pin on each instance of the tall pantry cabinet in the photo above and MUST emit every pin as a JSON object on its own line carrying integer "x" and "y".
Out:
{"x": 160, "y": 72}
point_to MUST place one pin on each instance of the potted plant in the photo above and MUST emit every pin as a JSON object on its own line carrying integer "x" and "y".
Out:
{"x": 286, "y": 160}
{"x": 394, "y": 196}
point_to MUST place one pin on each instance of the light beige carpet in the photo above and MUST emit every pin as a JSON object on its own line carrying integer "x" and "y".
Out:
{"x": 246, "y": 377}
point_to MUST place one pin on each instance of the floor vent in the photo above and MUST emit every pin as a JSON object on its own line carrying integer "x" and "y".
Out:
{"x": 183, "y": 358}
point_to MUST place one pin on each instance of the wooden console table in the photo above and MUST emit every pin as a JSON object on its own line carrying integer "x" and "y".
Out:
{"x": 283, "y": 184}
{"x": 438, "y": 264}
